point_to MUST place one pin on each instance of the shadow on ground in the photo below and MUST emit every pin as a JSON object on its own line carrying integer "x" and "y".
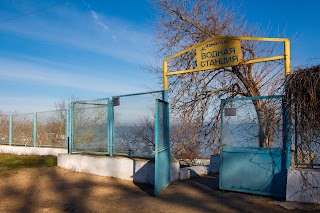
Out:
{"x": 52, "y": 189}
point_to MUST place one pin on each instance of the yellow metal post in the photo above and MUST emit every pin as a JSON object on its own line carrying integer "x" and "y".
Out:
{"x": 287, "y": 56}
{"x": 165, "y": 81}
{"x": 165, "y": 77}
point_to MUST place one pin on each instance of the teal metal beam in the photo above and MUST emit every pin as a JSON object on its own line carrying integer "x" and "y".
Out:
{"x": 141, "y": 93}
{"x": 71, "y": 117}
{"x": 287, "y": 134}
{"x": 162, "y": 148}
{"x": 167, "y": 133}
{"x": 252, "y": 98}
{"x": 165, "y": 95}
{"x": 110, "y": 127}
{"x": 157, "y": 187}
{"x": 67, "y": 127}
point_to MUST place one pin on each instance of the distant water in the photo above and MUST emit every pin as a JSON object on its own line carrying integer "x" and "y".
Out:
{"x": 125, "y": 138}
{"x": 246, "y": 135}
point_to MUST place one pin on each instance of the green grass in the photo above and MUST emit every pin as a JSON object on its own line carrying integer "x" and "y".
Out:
{"x": 9, "y": 162}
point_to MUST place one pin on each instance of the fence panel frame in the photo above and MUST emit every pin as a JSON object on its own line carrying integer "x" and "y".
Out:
{"x": 4, "y": 129}
{"x": 281, "y": 165}
{"x": 113, "y": 140}
{"x": 33, "y": 119}
{"x": 71, "y": 136}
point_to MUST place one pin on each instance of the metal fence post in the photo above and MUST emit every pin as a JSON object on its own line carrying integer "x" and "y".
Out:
{"x": 167, "y": 134}
{"x": 35, "y": 129}
{"x": 157, "y": 187}
{"x": 67, "y": 127}
{"x": 70, "y": 142}
{"x": 10, "y": 130}
{"x": 287, "y": 134}
{"x": 110, "y": 127}
{"x": 221, "y": 140}
{"x": 165, "y": 95}
{"x": 221, "y": 123}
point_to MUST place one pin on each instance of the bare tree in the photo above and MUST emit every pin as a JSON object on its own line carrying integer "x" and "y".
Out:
{"x": 303, "y": 104}
{"x": 22, "y": 129}
{"x": 186, "y": 140}
{"x": 51, "y": 128}
{"x": 196, "y": 96}
{"x": 4, "y": 128}
{"x": 137, "y": 138}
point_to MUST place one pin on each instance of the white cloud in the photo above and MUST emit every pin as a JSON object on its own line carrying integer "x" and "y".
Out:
{"x": 83, "y": 31}
{"x": 97, "y": 20}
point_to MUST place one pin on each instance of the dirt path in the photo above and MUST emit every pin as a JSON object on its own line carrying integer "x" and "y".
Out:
{"x": 52, "y": 189}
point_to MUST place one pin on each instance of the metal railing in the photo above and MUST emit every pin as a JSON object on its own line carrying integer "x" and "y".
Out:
{"x": 39, "y": 129}
{"x": 121, "y": 125}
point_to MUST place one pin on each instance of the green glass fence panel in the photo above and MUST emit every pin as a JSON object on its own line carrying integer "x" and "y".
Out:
{"x": 22, "y": 129}
{"x": 51, "y": 128}
{"x": 134, "y": 120}
{"x": 90, "y": 126}
{"x": 4, "y": 129}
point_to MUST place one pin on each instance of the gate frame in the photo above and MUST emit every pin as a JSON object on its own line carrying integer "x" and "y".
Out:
{"x": 111, "y": 141}
{"x": 286, "y": 143}
{"x": 285, "y": 57}
{"x": 162, "y": 160}
{"x": 110, "y": 117}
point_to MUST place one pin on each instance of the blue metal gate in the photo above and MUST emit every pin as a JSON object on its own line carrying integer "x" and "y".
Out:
{"x": 162, "y": 147}
{"x": 254, "y": 149}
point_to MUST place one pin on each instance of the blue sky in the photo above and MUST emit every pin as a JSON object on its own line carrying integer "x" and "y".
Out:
{"x": 93, "y": 49}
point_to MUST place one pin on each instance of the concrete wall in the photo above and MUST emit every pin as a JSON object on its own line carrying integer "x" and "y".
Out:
{"x": 132, "y": 169}
{"x": 195, "y": 162}
{"x": 193, "y": 171}
{"x": 303, "y": 185}
{"x": 23, "y": 150}
{"x": 214, "y": 166}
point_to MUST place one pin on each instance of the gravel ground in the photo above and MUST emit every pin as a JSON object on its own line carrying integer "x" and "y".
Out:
{"x": 52, "y": 189}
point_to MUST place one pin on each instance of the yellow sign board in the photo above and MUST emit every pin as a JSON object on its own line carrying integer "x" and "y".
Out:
{"x": 219, "y": 53}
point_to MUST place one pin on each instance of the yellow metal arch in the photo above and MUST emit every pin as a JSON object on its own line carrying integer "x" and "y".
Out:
{"x": 285, "y": 56}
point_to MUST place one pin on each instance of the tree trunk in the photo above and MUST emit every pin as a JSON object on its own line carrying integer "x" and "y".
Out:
{"x": 266, "y": 122}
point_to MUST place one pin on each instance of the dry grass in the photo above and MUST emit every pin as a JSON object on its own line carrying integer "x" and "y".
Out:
{"x": 9, "y": 162}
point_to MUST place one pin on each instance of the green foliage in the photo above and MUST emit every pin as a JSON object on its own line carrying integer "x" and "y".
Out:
{"x": 10, "y": 162}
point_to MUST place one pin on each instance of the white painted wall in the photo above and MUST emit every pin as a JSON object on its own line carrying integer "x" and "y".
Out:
{"x": 132, "y": 169}
{"x": 303, "y": 185}
{"x": 193, "y": 171}
{"x": 23, "y": 150}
